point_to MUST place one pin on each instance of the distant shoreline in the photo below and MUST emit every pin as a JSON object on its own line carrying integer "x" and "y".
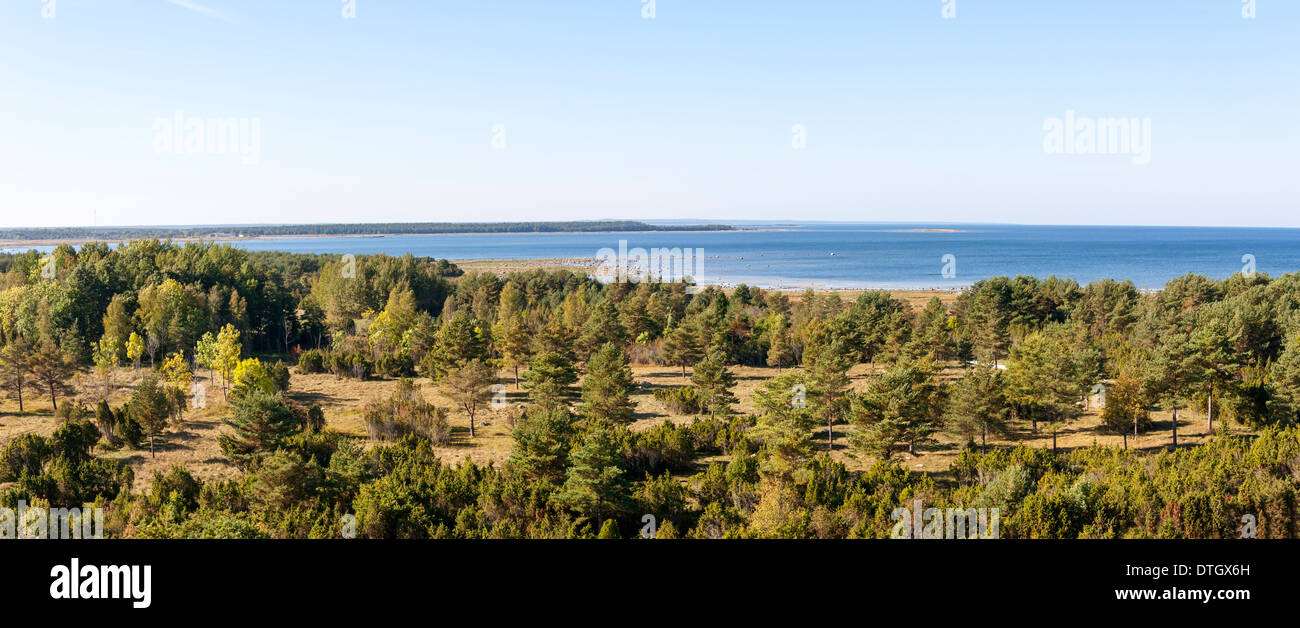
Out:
{"x": 10, "y": 243}
{"x": 506, "y": 266}
{"x": 40, "y": 236}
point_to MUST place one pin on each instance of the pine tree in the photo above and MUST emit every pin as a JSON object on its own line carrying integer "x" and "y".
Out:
{"x": 779, "y": 353}
{"x": 514, "y": 342}
{"x": 549, "y": 379}
{"x": 542, "y": 439}
{"x": 903, "y": 405}
{"x": 783, "y": 425}
{"x": 261, "y": 422}
{"x": 607, "y": 388}
{"x": 51, "y": 369}
{"x": 555, "y": 337}
{"x": 682, "y": 347}
{"x": 977, "y": 405}
{"x": 469, "y": 387}
{"x": 713, "y": 383}
{"x": 1168, "y": 374}
{"x": 15, "y": 368}
{"x": 1046, "y": 377}
{"x": 594, "y": 486}
{"x": 150, "y": 409}
{"x": 602, "y": 327}
{"x": 933, "y": 336}
{"x": 1284, "y": 382}
{"x": 459, "y": 341}
{"x": 828, "y": 389}
{"x": 1212, "y": 362}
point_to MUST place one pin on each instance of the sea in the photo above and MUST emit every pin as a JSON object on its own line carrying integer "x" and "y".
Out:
{"x": 876, "y": 255}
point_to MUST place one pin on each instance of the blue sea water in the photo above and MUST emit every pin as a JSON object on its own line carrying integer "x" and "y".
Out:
{"x": 879, "y": 255}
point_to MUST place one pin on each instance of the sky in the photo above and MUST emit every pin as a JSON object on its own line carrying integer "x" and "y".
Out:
{"x": 726, "y": 110}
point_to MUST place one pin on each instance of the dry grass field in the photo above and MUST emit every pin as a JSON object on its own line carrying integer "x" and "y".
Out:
{"x": 194, "y": 445}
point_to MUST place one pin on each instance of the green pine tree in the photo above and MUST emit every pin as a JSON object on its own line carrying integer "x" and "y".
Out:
{"x": 594, "y": 487}
{"x": 549, "y": 379}
{"x": 608, "y": 385}
{"x": 261, "y": 422}
{"x": 713, "y": 382}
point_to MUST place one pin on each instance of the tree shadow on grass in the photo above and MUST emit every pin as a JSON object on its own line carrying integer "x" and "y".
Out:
{"x": 317, "y": 398}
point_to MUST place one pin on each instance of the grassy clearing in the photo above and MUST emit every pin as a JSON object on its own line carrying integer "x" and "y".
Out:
{"x": 194, "y": 445}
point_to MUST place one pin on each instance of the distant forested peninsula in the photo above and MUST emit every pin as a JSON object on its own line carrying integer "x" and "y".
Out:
{"x": 373, "y": 228}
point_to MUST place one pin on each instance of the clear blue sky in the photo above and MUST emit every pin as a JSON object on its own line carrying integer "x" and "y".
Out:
{"x": 389, "y": 116}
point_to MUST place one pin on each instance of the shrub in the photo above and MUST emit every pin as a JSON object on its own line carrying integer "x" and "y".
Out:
{"x": 106, "y": 421}
{"x": 72, "y": 410}
{"x": 662, "y": 447}
{"x": 315, "y": 419}
{"x": 395, "y": 366}
{"x": 312, "y": 361}
{"x": 178, "y": 486}
{"x": 406, "y": 412}
{"x": 24, "y": 454}
{"x": 680, "y": 400}
{"x": 128, "y": 430}
{"x": 279, "y": 373}
{"x": 352, "y": 365}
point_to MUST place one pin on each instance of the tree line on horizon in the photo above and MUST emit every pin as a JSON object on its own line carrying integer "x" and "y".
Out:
{"x": 1010, "y": 356}
{"x": 366, "y": 228}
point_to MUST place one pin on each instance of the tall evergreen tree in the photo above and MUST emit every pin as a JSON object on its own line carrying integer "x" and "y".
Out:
{"x": 1212, "y": 362}
{"x": 903, "y": 405}
{"x": 977, "y": 405}
{"x": 682, "y": 347}
{"x": 261, "y": 422}
{"x": 513, "y": 341}
{"x": 1047, "y": 376}
{"x": 150, "y": 409}
{"x": 15, "y": 368}
{"x": 607, "y": 388}
{"x": 1168, "y": 375}
{"x": 542, "y": 439}
{"x": 594, "y": 486}
{"x": 713, "y": 382}
{"x": 470, "y": 388}
{"x": 602, "y": 327}
{"x": 779, "y": 353}
{"x": 51, "y": 369}
{"x": 828, "y": 389}
{"x": 549, "y": 379}
{"x": 783, "y": 424}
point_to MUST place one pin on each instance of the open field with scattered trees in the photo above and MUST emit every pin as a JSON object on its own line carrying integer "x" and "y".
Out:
{"x": 203, "y": 391}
